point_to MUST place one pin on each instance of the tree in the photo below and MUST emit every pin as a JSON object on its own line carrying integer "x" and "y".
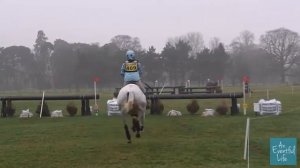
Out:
{"x": 193, "y": 39}
{"x": 220, "y": 62}
{"x": 242, "y": 48}
{"x": 246, "y": 58}
{"x": 63, "y": 61}
{"x": 176, "y": 60}
{"x": 202, "y": 65}
{"x": 17, "y": 67}
{"x": 214, "y": 43}
{"x": 296, "y": 71}
{"x": 88, "y": 65}
{"x": 109, "y": 62}
{"x": 125, "y": 42}
{"x": 42, "y": 51}
{"x": 246, "y": 39}
{"x": 283, "y": 45}
{"x": 153, "y": 65}
{"x": 168, "y": 57}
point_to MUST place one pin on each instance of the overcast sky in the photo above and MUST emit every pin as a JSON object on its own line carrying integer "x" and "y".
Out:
{"x": 153, "y": 21}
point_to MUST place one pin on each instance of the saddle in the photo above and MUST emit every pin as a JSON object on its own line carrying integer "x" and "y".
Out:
{"x": 136, "y": 83}
{"x": 132, "y": 82}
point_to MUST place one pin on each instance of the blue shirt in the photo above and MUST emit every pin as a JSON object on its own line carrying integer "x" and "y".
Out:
{"x": 131, "y": 71}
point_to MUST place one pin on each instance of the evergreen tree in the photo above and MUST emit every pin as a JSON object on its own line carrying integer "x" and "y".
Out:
{"x": 42, "y": 51}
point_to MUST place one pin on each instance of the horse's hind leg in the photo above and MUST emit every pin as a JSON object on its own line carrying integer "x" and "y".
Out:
{"x": 127, "y": 133}
{"x": 141, "y": 119}
{"x": 136, "y": 126}
{"x": 142, "y": 128}
{"x": 126, "y": 129}
{"x": 133, "y": 126}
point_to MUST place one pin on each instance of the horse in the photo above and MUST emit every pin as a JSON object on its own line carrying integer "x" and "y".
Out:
{"x": 132, "y": 101}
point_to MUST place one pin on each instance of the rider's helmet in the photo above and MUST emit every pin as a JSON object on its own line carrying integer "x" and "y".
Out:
{"x": 130, "y": 55}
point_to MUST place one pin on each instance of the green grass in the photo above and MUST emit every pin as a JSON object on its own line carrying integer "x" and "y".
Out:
{"x": 189, "y": 141}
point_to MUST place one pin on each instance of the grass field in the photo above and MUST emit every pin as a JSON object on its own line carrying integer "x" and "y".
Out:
{"x": 190, "y": 141}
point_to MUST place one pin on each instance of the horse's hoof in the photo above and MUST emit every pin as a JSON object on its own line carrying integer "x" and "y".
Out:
{"x": 142, "y": 128}
{"x": 138, "y": 135}
{"x": 133, "y": 129}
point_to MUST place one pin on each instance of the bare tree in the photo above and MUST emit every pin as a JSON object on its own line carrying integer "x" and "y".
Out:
{"x": 244, "y": 40}
{"x": 194, "y": 39}
{"x": 125, "y": 42}
{"x": 248, "y": 59}
{"x": 214, "y": 43}
{"x": 283, "y": 45}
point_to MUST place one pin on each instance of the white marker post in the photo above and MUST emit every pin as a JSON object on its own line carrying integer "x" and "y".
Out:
{"x": 249, "y": 91}
{"x": 42, "y": 104}
{"x": 156, "y": 83}
{"x": 222, "y": 85}
{"x": 244, "y": 99}
{"x": 162, "y": 89}
{"x": 246, "y": 148}
{"x": 95, "y": 108}
{"x": 187, "y": 84}
{"x": 95, "y": 90}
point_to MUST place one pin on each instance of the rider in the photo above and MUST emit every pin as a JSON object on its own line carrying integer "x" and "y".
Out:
{"x": 131, "y": 70}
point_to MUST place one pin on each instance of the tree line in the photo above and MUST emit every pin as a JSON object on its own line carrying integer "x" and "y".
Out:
{"x": 63, "y": 65}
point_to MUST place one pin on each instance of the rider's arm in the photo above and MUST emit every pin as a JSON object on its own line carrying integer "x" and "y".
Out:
{"x": 140, "y": 70}
{"x": 123, "y": 69}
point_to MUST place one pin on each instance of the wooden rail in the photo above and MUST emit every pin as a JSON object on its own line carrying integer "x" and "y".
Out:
{"x": 85, "y": 105}
{"x": 233, "y": 96}
{"x": 180, "y": 90}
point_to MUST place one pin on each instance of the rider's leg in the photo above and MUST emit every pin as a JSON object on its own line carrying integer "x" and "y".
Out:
{"x": 141, "y": 85}
{"x": 125, "y": 83}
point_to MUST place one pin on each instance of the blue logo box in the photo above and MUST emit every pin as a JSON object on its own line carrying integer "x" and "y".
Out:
{"x": 283, "y": 151}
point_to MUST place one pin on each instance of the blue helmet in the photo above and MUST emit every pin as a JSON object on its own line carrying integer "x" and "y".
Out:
{"x": 130, "y": 55}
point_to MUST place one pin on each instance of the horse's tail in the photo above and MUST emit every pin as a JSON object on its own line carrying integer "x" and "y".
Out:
{"x": 128, "y": 106}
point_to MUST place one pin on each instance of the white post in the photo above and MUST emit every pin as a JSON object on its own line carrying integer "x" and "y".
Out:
{"x": 222, "y": 85}
{"x": 246, "y": 139}
{"x": 267, "y": 94}
{"x": 244, "y": 99}
{"x": 162, "y": 89}
{"x": 95, "y": 90}
{"x": 248, "y": 151}
{"x": 188, "y": 84}
{"x": 42, "y": 104}
{"x": 249, "y": 91}
{"x": 95, "y": 108}
{"x": 156, "y": 83}
{"x": 292, "y": 89}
